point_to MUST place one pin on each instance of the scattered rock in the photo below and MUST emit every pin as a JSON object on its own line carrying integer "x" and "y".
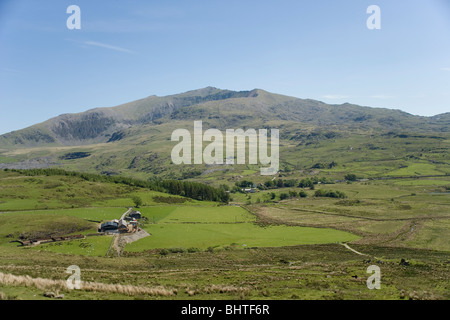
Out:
{"x": 403, "y": 262}
{"x": 49, "y": 294}
{"x": 190, "y": 292}
{"x": 402, "y": 294}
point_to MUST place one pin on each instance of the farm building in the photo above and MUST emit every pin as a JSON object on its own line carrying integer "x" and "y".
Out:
{"x": 109, "y": 226}
{"x": 123, "y": 225}
{"x": 126, "y": 224}
{"x": 136, "y": 215}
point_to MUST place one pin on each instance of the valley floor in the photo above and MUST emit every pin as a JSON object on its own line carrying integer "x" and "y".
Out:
{"x": 298, "y": 248}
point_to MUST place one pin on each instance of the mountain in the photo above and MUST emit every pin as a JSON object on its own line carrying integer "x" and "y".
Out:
{"x": 107, "y": 124}
{"x": 231, "y": 108}
{"x": 133, "y": 139}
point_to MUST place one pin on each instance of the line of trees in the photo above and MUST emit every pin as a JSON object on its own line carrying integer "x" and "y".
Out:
{"x": 194, "y": 190}
{"x": 291, "y": 194}
{"x": 304, "y": 183}
{"x": 281, "y": 183}
{"x": 330, "y": 194}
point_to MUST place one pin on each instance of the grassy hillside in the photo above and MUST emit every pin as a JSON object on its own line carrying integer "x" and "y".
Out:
{"x": 144, "y": 155}
{"x": 134, "y": 139}
{"x": 20, "y": 191}
{"x": 278, "y": 249}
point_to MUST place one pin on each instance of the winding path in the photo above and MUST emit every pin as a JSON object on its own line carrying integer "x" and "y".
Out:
{"x": 353, "y": 250}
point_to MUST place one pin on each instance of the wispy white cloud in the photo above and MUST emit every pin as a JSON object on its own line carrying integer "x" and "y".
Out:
{"x": 445, "y": 69}
{"x": 107, "y": 46}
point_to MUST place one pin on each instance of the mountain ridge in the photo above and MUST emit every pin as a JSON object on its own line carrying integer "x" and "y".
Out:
{"x": 232, "y": 108}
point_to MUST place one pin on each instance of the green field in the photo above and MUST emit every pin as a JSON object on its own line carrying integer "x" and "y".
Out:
{"x": 18, "y": 193}
{"x": 242, "y": 235}
{"x": 203, "y": 227}
{"x": 91, "y": 246}
{"x": 198, "y": 214}
{"x": 257, "y": 249}
{"x": 93, "y": 214}
{"x": 170, "y": 227}
{"x": 423, "y": 182}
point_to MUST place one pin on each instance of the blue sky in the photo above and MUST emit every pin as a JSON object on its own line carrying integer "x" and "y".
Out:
{"x": 127, "y": 50}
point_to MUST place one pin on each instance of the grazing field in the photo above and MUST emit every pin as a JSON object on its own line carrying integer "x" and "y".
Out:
{"x": 92, "y": 214}
{"x": 380, "y": 212}
{"x": 170, "y": 227}
{"x": 203, "y": 236}
{"x": 229, "y": 226}
{"x": 91, "y": 246}
{"x": 417, "y": 169}
{"x": 40, "y": 225}
{"x": 198, "y": 214}
{"x": 267, "y": 248}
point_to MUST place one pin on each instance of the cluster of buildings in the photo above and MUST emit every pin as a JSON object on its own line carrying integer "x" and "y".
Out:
{"x": 126, "y": 224}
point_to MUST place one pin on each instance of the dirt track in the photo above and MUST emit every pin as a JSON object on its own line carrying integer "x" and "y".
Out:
{"x": 121, "y": 240}
{"x": 125, "y": 239}
{"x": 353, "y": 250}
